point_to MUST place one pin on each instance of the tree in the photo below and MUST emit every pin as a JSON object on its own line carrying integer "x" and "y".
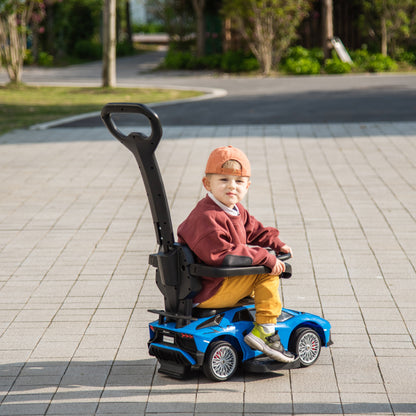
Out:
{"x": 268, "y": 26}
{"x": 200, "y": 26}
{"x": 178, "y": 17}
{"x": 129, "y": 31}
{"x": 72, "y": 28}
{"x": 328, "y": 26}
{"x": 109, "y": 44}
{"x": 14, "y": 20}
{"x": 393, "y": 21}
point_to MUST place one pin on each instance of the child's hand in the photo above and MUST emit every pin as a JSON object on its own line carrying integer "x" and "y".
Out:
{"x": 286, "y": 249}
{"x": 278, "y": 268}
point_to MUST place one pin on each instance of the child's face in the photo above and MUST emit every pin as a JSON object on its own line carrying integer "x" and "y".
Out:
{"x": 228, "y": 189}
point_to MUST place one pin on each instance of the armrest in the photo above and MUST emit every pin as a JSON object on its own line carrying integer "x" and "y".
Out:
{"x": 211, "y": 271}
{"x": 202, "y": 270}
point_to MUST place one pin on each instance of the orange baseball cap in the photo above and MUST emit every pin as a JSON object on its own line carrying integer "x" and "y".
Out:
{"x": 219, "y": 156}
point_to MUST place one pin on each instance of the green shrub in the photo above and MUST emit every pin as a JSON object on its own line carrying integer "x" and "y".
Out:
{"x": 297, "y": 52}
{"x": 235, "y": 61}
{"x": 360, "y": 58}
{"x": 124, "y": 48}
{"x": 182, "y": 60}
{"x": 192, "y": 62}
{"x": 302, "y": 66}
{"x": 373, "y": 62}
{"x": 211, "y": 61}
{"x": 45, "y": 59}
{"x": 75, "y": 21}
{"x": 28, "y": 58}
{"x": 228, "y": 62}
{"x": 297, "y": 61}
{"x": 408, "y": 57}
{"x": 318, "y": 54}
{"x": 381, "y": 63}
{"x": 301, "y": 61}
{"x": 335, "y": 66}
{"x": 87, "y": 49}
{"x": 250, "y": 64}
{"x": 149, "y": 27}
{"x": 177, "y": 59}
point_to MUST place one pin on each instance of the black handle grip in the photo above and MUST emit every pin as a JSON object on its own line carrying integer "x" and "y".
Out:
{"x": 284, "y": 256}
{"x": 198, "y": 269}
{"x": 152, "y": 141}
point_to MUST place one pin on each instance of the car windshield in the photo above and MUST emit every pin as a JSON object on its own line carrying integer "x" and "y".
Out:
{"x": 284, "y": 316}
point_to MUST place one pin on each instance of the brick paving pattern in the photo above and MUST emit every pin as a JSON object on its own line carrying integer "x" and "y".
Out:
{"x": 75, "y": 286}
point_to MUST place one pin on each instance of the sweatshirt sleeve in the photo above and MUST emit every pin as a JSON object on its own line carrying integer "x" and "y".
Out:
{"x": 262, "y": 236}
{"x": 218, "y": 240}
{"x": 215, "y": 249}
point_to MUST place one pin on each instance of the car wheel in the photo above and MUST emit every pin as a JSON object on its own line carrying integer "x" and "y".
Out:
{"x": 306, "y": 344}
{"x": 221, "y": 361}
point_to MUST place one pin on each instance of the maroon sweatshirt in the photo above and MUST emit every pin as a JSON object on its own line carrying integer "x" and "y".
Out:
{"x": 220, "y": 239}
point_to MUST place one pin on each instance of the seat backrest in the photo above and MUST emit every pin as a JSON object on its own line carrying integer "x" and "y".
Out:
{"x": 176, "y": 283}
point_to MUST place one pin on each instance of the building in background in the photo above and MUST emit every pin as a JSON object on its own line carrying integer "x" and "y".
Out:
{"x": 138, "y": 11}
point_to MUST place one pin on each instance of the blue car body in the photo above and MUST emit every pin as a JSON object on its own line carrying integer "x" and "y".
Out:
{"x": 181, "y": 349}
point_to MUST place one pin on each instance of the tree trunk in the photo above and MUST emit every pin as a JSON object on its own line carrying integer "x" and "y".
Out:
{"x": 383, "y": 36}
{"x": 109, "y": 44}
{"x": 13, "y": 41}
{"x": 227, "y": 35}
{"x": 266, "y": 63}
{"x": 128, "y": 23}
{"x": 328, "y": 27}
{"x": 199, "y": 6}
{"x": 16, "y": 54}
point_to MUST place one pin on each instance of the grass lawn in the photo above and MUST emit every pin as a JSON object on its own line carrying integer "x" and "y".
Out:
{"x": 23, "y": 106}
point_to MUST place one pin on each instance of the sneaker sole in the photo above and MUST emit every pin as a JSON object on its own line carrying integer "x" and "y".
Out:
{"x": 257, "y": 344}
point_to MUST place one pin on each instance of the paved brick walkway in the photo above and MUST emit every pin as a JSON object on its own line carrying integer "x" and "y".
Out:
{"x": 75, "y": 234}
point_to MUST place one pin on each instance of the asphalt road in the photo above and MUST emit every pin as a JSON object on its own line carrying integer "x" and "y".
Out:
{"x": 287, "y": 100}
{"x": 249, "y": 100}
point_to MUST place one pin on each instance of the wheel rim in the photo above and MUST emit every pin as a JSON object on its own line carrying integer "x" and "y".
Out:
{"x": 309, "y": 345}
{"x": 224, "y": 361}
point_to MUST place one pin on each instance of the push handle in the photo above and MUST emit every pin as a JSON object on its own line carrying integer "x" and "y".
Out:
{"x": 284, "y": 256}
{"x": 151, "y": 141}
{"x": 143, "y": 148}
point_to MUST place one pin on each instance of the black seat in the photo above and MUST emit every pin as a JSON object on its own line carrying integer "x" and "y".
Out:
{"x": 178, "y": 279}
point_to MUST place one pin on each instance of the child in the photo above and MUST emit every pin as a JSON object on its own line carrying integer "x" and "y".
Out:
{"x": 221, "y": 232}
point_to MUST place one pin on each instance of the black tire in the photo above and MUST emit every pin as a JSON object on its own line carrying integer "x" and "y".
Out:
{"x": 221, "y": 361}
{"x": 306, "y": 344}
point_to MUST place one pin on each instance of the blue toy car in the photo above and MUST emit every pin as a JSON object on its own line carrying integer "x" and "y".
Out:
{"x": 185, "y": 338}
{"x": 216, "y": 343}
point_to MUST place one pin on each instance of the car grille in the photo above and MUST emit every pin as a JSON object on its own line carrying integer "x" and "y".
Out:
{"x": 182, "y": 341}
{"x": 164, "y": 354}
{"x": 187, "y": 344}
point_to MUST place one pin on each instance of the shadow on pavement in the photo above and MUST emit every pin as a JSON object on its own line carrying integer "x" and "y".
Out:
{"x": 106, "y": 386}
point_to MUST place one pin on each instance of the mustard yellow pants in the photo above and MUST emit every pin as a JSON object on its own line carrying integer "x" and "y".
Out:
{"x": 263, "y": 287}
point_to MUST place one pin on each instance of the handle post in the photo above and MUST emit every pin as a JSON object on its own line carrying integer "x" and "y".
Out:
{"x": 143, "y": 148}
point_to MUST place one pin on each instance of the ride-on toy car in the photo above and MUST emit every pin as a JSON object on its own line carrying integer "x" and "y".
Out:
{"x": 184, "y": 338}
